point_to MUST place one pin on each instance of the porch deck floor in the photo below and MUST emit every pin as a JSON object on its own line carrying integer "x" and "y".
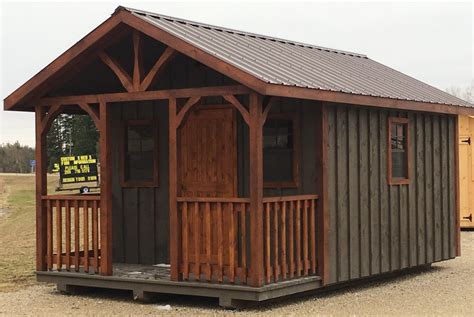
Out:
{"x": 142, "y": 272}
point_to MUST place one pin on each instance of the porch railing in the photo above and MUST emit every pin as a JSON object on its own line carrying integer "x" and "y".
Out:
{"x": 214, "y": 238}
{"x": 73, "y": 232}
{"x": 289, "y": 237}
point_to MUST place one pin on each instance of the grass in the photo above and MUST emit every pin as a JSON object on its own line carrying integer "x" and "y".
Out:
{"x": 17, "y": 230}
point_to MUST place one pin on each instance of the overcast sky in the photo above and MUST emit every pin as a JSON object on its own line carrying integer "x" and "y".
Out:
{"x": 430, "y": 41}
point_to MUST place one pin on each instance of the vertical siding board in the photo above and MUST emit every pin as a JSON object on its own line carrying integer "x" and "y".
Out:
{"x": 428, "y": 141}
{"x": 353, "y": 190}
{"x": 332, "y": 195}
{"x": 444, "y": 187}
{"x": 342, "y": 194}
{"x": 412, "y": 208}
{"x": 384, "y": 199}
{"x": 452, "y": 188}
{"x": 374, "y": 174}
{"x": 437, "y": 203}
{"x": 403, "y": 226}
{"x": 420, "y": 189}
{"x": 394, "y": 222}
{"x": 364, "y": 192}
{"x": 117, "y": 208}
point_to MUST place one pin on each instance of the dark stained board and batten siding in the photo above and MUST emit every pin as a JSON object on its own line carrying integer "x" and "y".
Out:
{"x": 378, "y": 228}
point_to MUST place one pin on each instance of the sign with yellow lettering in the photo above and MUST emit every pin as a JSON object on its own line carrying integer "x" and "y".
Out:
{"x": 78, "y": 169}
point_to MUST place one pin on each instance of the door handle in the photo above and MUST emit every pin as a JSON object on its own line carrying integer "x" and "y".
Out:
{"x": 468, "y": 141}
{"x": 468, "y": 217}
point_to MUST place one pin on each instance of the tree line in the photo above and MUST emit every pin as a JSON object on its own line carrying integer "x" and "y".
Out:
{"x": 69, "y": 135}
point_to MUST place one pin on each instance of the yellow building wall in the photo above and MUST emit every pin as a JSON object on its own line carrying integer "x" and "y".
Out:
{"x": 466, "y": 171}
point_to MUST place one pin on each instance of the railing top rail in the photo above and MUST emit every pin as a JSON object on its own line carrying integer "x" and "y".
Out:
{"x": 289, "y": 198}
{"x": 70, "y": 197}
{"x": 213, "y": 199}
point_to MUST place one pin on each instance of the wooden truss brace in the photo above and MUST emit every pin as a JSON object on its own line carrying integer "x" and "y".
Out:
{"x": 267, "y": 106}
{"x": 182, "y": 113}
{"x": 243, "y": 111}
{"x": 56, "y": 110}
{"x": 135, "y": 83}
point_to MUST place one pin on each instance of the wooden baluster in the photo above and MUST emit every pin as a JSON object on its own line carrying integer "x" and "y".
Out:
{"x": 85, "y": 230}
{"x": 276, "y": 266}
{"x": 185, "y": 239}
{"x": 219, "y": 243}
{"x": 49, "y": 225}
{"x": 231, "y": 244}
{"x": 268, "y": 269}
{"x": 305, "y": 238}
{"x": 68, "y": 235}
{"x": 243, "y": 239}
{"x": 313, "y": 237}
{"x": 208, "y": 242}
{"x": 197, "y": 243}
{"x": 283, "y": 240}
{"x": 95, "y": 236}
{"x": 291, "y": 237}
{"x": 59, "y": 235}
{"x": 76, "y": 236}
{"x": 298, "y": 238}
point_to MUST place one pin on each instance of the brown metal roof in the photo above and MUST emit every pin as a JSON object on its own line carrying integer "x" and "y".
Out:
{"x": 289, "y": 63}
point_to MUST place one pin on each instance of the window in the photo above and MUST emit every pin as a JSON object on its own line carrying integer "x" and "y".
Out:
{"x": 398, "y": 151}
{"x": 140, "y": 154}
{"x": 280, "y": 151}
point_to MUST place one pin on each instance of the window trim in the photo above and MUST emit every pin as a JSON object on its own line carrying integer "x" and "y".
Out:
{"x": 392, "y": 180}
{"x": 139, "y": 183}
{"x": 296, "y": 151}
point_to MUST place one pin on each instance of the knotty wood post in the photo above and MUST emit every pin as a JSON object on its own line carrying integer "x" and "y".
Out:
{"x": 41, "y": 189}
{"x": 105, "y": 191}
{"x": 175, "y": 241}
{"x": 322, "y": 216}
{"x": 256, "y": 190}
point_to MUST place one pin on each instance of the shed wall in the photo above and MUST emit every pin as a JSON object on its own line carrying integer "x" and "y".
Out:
{"x": 377, "y": 228}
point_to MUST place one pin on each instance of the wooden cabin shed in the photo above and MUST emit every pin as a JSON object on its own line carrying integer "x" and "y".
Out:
{"x": 241, "y": 166}
{"x": 466, "y": 171}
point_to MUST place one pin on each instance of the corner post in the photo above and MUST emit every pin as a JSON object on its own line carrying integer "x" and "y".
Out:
{"x": 105, "y": 191}
{"x": 175, "y": 241}
{"x": 41, "y": 189}
{"x": 256, "y": 189}
{"x": 457, "y": 209}
{"x": 322, "y": 248}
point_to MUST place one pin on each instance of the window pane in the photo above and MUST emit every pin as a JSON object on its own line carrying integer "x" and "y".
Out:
{"x": 399, "y": 152}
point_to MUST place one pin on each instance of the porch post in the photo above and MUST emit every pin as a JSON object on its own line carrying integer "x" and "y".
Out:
{"x": 41, "y": 189}
{"x": 105, "y": 191}
{"x": 256, "y": 190}
{"x": 174, "y": 243}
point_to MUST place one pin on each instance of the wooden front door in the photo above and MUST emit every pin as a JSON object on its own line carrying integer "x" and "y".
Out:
{"x": 208, "y": 153}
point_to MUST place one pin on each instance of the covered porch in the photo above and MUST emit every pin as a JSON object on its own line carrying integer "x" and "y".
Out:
{"x": 252, "y": 240}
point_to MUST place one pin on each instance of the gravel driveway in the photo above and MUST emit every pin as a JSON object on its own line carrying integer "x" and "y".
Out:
{"x": 446, "y": 289}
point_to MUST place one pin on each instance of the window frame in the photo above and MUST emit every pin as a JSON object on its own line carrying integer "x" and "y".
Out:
{"x": 139, "y": 183}
{"x": 294, "y": 183}
{"x": 397, "y": 180}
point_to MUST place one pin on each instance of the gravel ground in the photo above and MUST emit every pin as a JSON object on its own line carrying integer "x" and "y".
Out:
{"x": 446, "y": 289}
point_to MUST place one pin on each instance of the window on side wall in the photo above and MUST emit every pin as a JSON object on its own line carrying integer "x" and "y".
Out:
{"x": 398, "y": 151}
{"x": 280, "y": 151}
{"x": 140, "y": 154}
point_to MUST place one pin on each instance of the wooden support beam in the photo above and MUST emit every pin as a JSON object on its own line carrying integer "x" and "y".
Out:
{"x": 48, "y": 119}
{"x": 256, "y": 190}
{"x": 182, "y": 113}
{"x": 41, "y": 189}
{"x": 234, "y": 101}
{"x": 105, "y": 140}
{"x": 322, "y": 204}
{"x": 121, "y": 73}
{"x": 175, "y": 242}
{"x": 147, "y": 95}
{"x": 267, "y": 106}
{"x": 137, "y": 60}
{"x": 93, "y": 113}
{"x": 162, "y": 61}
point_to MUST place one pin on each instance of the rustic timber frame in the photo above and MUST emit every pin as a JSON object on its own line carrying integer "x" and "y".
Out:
{"x": 336, "y": 221}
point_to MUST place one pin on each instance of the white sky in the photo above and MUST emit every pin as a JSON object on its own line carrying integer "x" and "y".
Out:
{"x": 431, "y": 41}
